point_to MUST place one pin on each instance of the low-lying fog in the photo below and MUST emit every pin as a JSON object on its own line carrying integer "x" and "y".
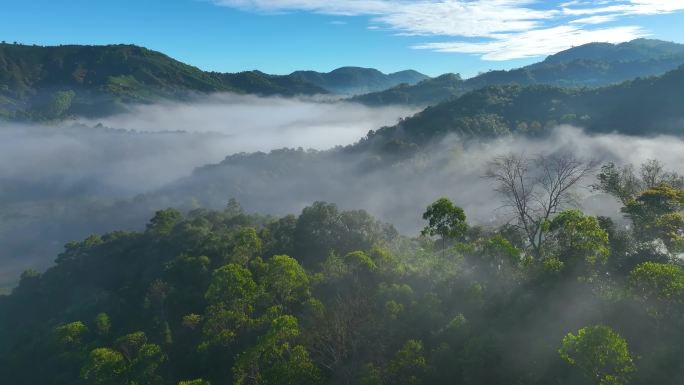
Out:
{"x": 156, "y": 144}
{"x": 399, "y": 193}
{"x": 61, "y": 183}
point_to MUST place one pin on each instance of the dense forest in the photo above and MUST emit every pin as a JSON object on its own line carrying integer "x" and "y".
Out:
{"x": 589, "y": 65}
{"x": 46, "y": 83}
{"x": 336, "y": 297}
{"x": 535, "y": 110}
{"x": 356, "y": 80}
{"x": 427, "y": 151}
{"x": 511, "y": 280}
{"x": 58, "y": 82}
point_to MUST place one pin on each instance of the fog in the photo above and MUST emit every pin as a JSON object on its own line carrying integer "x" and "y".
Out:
{"x": 399, "y": 192}
{"x": 155, "y": 144}
{"x": 64, "y": 182}
{"x": 253, "y": 123}
{"x": 56, "y": 178}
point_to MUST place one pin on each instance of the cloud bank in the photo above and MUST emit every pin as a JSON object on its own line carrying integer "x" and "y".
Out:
{"x": 493, "y": 29}
{"x": 153, "y": 145}
{"x": 399, "y": 193}
{"x": 62, "y": 183}
{"x": 59, "y": 184}
{"x": 252, "y": 123}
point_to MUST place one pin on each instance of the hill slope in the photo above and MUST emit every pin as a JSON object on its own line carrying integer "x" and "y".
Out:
{"x": 357, "y": 80}
{"x": 47, "y": 82}
{"x": 589, "y": 65}
{"x": 647, "y": 106}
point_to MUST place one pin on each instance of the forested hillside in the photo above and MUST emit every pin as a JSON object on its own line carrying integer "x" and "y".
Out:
{"x": 50, "y": 82}
{"x": 336, "y": 297}
{"x": 356, "y": 80}
{"x": 589, "y": 65}
{"x": 648, "y": 106}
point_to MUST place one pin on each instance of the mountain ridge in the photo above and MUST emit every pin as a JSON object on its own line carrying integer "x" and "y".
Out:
{"x": 590, "y": 65}
{"x": 645, "y": 106}
{"x": 89, "y": 79}
{"x": 354, "y": 80}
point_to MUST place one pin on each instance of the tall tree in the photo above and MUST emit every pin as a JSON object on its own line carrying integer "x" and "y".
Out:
{"x": 535, "y": 189}
{"x": 444, "y": 219}
{"x": 601, "y": 353}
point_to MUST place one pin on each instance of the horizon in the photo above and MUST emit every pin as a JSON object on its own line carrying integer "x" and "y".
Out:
{"x": 431, "y": 37}
{"x": 307, "y": 69}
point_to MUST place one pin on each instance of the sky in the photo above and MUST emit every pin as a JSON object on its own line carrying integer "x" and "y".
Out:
{"x": 281, "y": 36}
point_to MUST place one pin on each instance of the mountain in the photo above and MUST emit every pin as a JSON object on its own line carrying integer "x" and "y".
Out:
{"x": 425, "y": 93}
{"x": 357, "y": 80}
{"x": 647, "y": 106}
{"x": 48, "y": 82}
{"x": 589, "y": 65}
{"x": 412, "y": 153}
{"x": 635, "y": 50}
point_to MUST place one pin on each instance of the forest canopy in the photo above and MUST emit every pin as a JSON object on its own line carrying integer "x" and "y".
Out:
{"x": 336, "y": 297}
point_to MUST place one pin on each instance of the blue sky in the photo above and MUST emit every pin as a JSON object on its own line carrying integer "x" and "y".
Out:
{"x": 280, "y": 36}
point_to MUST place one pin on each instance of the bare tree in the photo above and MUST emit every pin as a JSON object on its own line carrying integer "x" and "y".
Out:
{"x": 537, "y": 188}
{"x": 625, "y": 184}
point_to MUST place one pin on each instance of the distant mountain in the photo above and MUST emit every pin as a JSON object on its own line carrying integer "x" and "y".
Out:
{"x": 647, "y": 106}
{"x": 589, "y": 65}
{"x": 357, "y": 80}
{"x": 635, "y": 50}
{"x": 48, "y": 82}
{"x": 642, "y": 107}
{"x": 427, "y": 92}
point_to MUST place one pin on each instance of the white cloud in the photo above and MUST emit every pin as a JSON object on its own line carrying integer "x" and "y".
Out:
{"x": 624, "y": 8}
{"x": 507, "y": 29}
{"x": 331, "y": 7}
{"x": 595, "y": 19}
{"x": 450, "y": 17}
{"x": 536, "y": 42}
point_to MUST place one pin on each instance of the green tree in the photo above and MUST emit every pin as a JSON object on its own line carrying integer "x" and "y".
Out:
{"x": 656, "y": 213}
{"x": 322, "y": 229}
{"x": 163, "y": 221}
{"x": 246, "y": 245}
{"x": 276, "y": 359}
{"x": 105, "y": 367}
{"x": 658, "y": 286}
{"x": 601, "y": 353}
{"x": 444, "y": 219}
{"x": 102, "y": 324}
{"x": 232, "y": 295}
{"x": 409, "y": 365}
{"x": 233, "y": 208}
{"x": 579, "y": 239}
{"x": 286, "y": 280}
{"x": 71, "y": 334}
{"x": 145, "y": 365}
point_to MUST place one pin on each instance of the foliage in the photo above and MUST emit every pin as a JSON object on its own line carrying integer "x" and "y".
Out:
{"x": 535, "y": 110}
{"x": 274, "y": 360}
{"x": 653, "y": 282}
{"x": 105, "y": 367}
{"x": 589, "y": 65}
{"x": 444, "y": 219}
{"x": 336, "y": 297}
{"x": 356, "y": 80}
{"x": 45, "y": 83}
{"x": 655, "y": 212}
{"x": 579, "y": 238}
{"x": 71, "y": 334}
{"x": 601, "y": 353}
